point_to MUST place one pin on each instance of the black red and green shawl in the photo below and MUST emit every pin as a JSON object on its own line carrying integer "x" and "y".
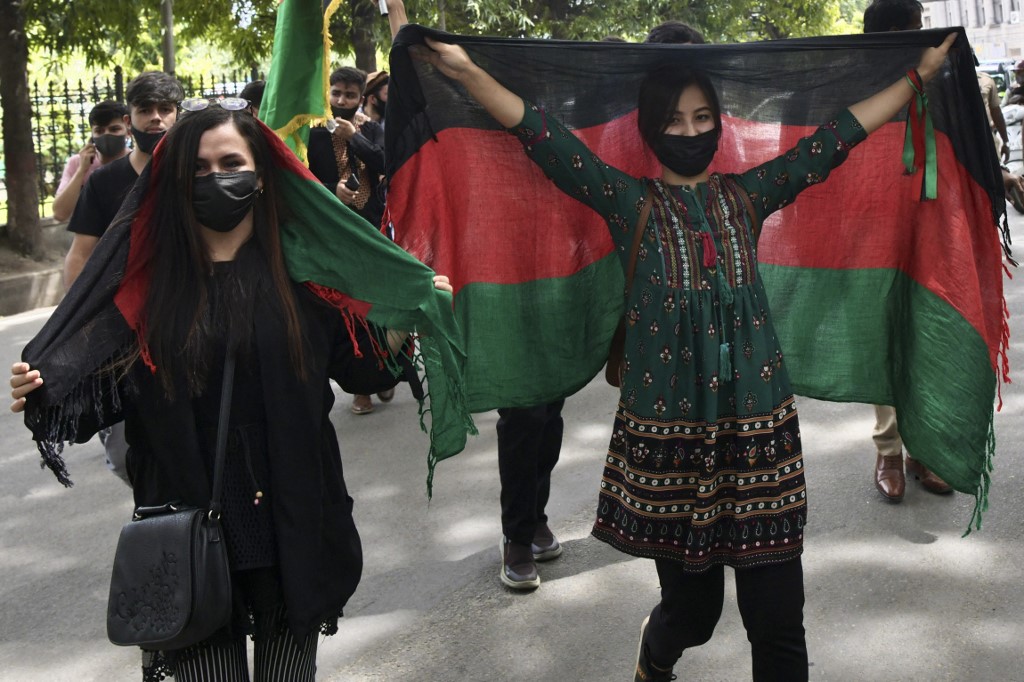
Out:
{"x": 880, "y": 296}
{"x": 338, "y": 255}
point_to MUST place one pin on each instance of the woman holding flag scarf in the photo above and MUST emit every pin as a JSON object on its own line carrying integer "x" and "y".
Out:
{"x": 226, "y": 247}
{"x": 705, "y": 467}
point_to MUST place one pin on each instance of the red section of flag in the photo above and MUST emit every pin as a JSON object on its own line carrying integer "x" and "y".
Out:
{"x": 472, "y": 205}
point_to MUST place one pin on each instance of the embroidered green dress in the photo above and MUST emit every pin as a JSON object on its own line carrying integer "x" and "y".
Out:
{"x": 705, "y": 464}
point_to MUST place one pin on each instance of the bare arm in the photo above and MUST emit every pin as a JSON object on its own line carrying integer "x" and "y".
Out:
{"x": 64, "y": 202}
{"x": 67, "y": 197}
{"x": 396, "y": 16}
{"x": 451, "y": 60}
{"x": 877, "y": 110}
{"x": 82, "y": 247}
{"x": 1000, "y": 123}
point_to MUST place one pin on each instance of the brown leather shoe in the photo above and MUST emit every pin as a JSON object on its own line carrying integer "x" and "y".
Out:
{"x": 889, "y": 478}
{"x": 929, "y": 480}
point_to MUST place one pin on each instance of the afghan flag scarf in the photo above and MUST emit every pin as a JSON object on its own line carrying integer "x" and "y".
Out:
{"x": 885, "y": 281}
{"x": 339, "y": 256}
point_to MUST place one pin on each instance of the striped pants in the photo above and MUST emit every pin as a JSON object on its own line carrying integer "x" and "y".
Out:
{"x": 279, "y": 657}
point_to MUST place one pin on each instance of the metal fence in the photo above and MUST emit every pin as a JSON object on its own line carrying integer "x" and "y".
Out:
{"x": 60, "y": 119}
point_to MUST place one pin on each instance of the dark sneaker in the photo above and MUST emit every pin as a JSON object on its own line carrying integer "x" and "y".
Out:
{"x": 545, "y": 546}
{"x": 517, "y": 568}
{"x": 645, "y": 671}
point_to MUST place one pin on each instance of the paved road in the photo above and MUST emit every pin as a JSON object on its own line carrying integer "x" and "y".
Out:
{"x": 893, "y": 592}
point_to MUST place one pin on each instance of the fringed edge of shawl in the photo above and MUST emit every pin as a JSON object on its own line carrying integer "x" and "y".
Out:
{"x": 57, "y": 423}
{"x": 1002, "y": 352}
{"x": 455, "y": 395}
{"x": 984, "y": 482}
{"x": 438, "y": 382}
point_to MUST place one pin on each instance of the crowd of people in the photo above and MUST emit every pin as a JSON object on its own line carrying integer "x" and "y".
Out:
{"x": 198, "y": 181}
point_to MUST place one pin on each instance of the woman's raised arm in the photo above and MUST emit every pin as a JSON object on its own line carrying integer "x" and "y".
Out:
{"x": 451, "y": 60}
{"x": 877, "y": 110}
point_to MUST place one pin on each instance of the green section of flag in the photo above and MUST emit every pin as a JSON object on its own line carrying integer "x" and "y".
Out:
{"x": 533, "y": 343}
{"x": 877, "y": 336}
{"x": 297, "y": 84}
{"x": 326, "y": 243}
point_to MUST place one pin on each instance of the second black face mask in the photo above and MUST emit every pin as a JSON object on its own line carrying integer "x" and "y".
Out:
{"x": 109, "y": 145}
{"x": 146, "y": 142}
{"x": 221, "y": 200}
{"x": 347, "y": 113}
{"x": 687, "y": 155}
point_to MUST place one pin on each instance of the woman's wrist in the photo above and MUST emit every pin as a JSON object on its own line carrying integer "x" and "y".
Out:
{"x": 925, "y": 73}
{"x": 471, "y": 75}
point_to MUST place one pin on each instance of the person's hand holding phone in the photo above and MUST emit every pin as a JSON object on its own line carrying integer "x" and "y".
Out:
{"x": 86, "y": 156}
{"x": 346, "y": 191}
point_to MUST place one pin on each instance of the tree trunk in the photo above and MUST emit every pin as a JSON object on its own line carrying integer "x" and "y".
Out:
{"x": 365, "y": 16}
{"x": 19, "y": 156}
{"x": 167, "y": 45}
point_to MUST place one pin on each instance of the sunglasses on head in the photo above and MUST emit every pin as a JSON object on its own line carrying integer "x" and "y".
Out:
{"x": 200, "y": 103}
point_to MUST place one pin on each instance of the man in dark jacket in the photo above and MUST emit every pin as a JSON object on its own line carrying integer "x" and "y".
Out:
{"x": 355, "y": 148}
{"x": 348, "y": 159}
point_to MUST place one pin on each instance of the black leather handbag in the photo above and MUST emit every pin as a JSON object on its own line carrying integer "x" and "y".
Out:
{"x": 171, "y": 583}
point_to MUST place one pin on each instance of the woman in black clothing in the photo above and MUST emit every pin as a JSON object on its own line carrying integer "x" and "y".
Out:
{"x": 217, "y": 283}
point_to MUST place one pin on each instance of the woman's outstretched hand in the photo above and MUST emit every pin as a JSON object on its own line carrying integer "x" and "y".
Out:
{"x": 934, "y": 57}
{"x": 451, "y": 60}
{"x": 24, "y": 380}
{"x": 442, "y": 283}
{"x": 877, "y": 110}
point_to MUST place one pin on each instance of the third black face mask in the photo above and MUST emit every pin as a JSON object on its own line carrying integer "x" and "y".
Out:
{"x": 221, "y": 200}
{"x": 347, "y": 113}
{"x": 687, "y": 155}
{"x": 146, "y": 142}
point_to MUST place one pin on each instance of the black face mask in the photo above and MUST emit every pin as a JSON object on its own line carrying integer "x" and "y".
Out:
{"x": 382, "y": 107}
{"x": 347, "y": 113}
{"x": 687, "y": 155}
{"x": 221, "y": 200}
{"x": 146, "y": 142}
{"x": 109, "y": 145}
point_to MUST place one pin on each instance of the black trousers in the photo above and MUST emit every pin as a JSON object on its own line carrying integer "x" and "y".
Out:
{"x": 529, "y": 440}
{"x": 771, "y": 602}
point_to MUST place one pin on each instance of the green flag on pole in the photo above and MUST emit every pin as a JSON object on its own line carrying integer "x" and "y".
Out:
{"x": 296, "y": 95}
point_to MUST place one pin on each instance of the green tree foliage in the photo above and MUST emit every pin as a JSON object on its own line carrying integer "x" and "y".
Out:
{"x": 718, "y": 20}
{"x": 127, "y": 32}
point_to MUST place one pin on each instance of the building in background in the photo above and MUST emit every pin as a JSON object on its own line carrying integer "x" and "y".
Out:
{"x": 994, "y": 27}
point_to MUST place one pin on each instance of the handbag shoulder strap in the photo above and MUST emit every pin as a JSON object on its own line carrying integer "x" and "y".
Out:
{"x": 755, "y": 224}
{"x": 222, "y": 430}
{"x": 638, "y": 235}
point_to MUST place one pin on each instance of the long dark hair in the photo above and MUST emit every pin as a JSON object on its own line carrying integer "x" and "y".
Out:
{"x": 178, "y": 325}
{"x": 659, "y": 95}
